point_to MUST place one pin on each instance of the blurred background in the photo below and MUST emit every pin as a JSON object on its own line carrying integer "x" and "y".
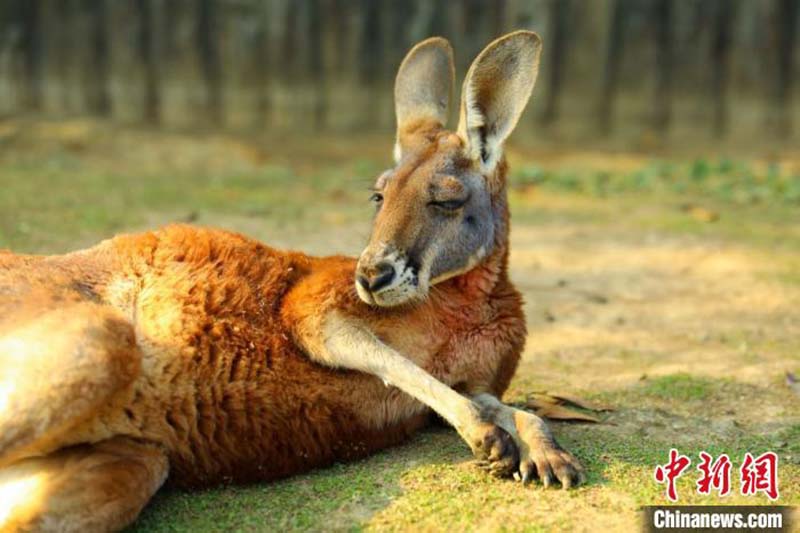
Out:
{"x": 637, "y": 73}
{"x": 654, "y": 190}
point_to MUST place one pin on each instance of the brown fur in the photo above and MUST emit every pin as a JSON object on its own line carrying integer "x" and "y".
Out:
{"x": 200, "y": 352}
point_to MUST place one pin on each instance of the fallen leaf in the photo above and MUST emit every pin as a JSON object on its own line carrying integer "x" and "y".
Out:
{"x": 580, "y": 402}
{"x": 554, "y": 411}
{"x": 559, "y": 406}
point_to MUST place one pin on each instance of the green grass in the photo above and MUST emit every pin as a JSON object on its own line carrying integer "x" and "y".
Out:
{"x": 680, "y": 387}
{"x": 39, "y": 209}
{"x": 751, "y": 204}
{"x": 342, "y": 493}
{"x": 430, "y": 483}
{"x": 733, "y": 181}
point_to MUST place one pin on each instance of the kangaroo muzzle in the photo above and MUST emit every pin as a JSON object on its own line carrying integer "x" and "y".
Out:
{"x": 385, "y": 278}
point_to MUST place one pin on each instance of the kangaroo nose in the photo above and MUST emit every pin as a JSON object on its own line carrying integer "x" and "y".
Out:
{"x": 377, "y": 278}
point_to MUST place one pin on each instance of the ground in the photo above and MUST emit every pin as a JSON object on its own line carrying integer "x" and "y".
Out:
{"x": 665, "y": 287}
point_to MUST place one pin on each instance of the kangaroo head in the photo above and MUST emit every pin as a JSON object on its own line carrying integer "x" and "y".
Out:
{"x": 441, "y": 207}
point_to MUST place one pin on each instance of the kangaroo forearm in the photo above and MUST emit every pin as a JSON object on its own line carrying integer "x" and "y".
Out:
{"x": 349, "y": 345}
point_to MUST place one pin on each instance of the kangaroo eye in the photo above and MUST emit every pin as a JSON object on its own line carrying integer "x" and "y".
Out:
{"x": 449, "y": 205}
{"x": 376, "y": 198}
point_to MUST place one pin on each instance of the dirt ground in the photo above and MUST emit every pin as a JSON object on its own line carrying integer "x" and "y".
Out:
{"x": 684, "y": 320}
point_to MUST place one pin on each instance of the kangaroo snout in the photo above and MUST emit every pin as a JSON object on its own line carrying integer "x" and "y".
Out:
{"x": 374, "y": 278}
{"x": 385, "y": 278}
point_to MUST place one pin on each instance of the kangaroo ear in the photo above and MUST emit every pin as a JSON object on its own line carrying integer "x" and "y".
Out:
{"x": 496, "y": 90}
{"x": 423, "y": 86}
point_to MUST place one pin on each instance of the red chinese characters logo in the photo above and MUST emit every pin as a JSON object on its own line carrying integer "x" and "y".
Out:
{"x": 757, "y": 474}
{"x": 760, "y": 474}
{"x": 671, "y": 471}
{"x": 715, "y": 475}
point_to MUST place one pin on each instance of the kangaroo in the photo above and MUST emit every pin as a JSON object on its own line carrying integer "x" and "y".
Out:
{"x": 204, "y": 357}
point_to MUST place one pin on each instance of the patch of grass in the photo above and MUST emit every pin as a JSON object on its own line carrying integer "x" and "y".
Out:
{"x": 616, "y": 459}
{"x": 723, "y": 179}
{"x": 430, "y": 483}
{"x": 789, "y": 276}
{"x": 82, "y": 204}
{"x": 338, "y": 497}
{"x": 680, "y": 387}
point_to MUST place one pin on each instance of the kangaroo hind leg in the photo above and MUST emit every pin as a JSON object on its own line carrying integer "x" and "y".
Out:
{"x": 89, "y": 487}
{"x": 56, "y": 368}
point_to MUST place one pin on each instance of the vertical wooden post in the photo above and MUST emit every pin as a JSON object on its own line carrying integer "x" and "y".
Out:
{"x": 556, "y": 58}
{"x": 147, "y": 55}
{"x": 61, "y": 52}
{"x": 498, "y": 16}
{"x": 788, "y": 12}
{"x": 98, "y": 98}
{"x": 720, "y": 65}
{"x": 31, "y": 48}
{"x": 613, "y": 62}
{"x": 208, "y": 49}
{"x": 289, "y": 45}
{"x": 370, "y": 58}
{"x": 662, "y": 103}
{"x": 261, "y": 67}
{"x": 438, "y": 22}
{"x": 316, "y": 64}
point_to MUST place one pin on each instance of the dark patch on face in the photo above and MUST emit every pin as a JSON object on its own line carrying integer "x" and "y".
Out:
{"x": 413, "y": 262}
{"x": 416, "y": 252}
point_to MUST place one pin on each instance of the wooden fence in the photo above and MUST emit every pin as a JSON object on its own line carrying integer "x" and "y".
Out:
{"x": 674, "y": 69}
